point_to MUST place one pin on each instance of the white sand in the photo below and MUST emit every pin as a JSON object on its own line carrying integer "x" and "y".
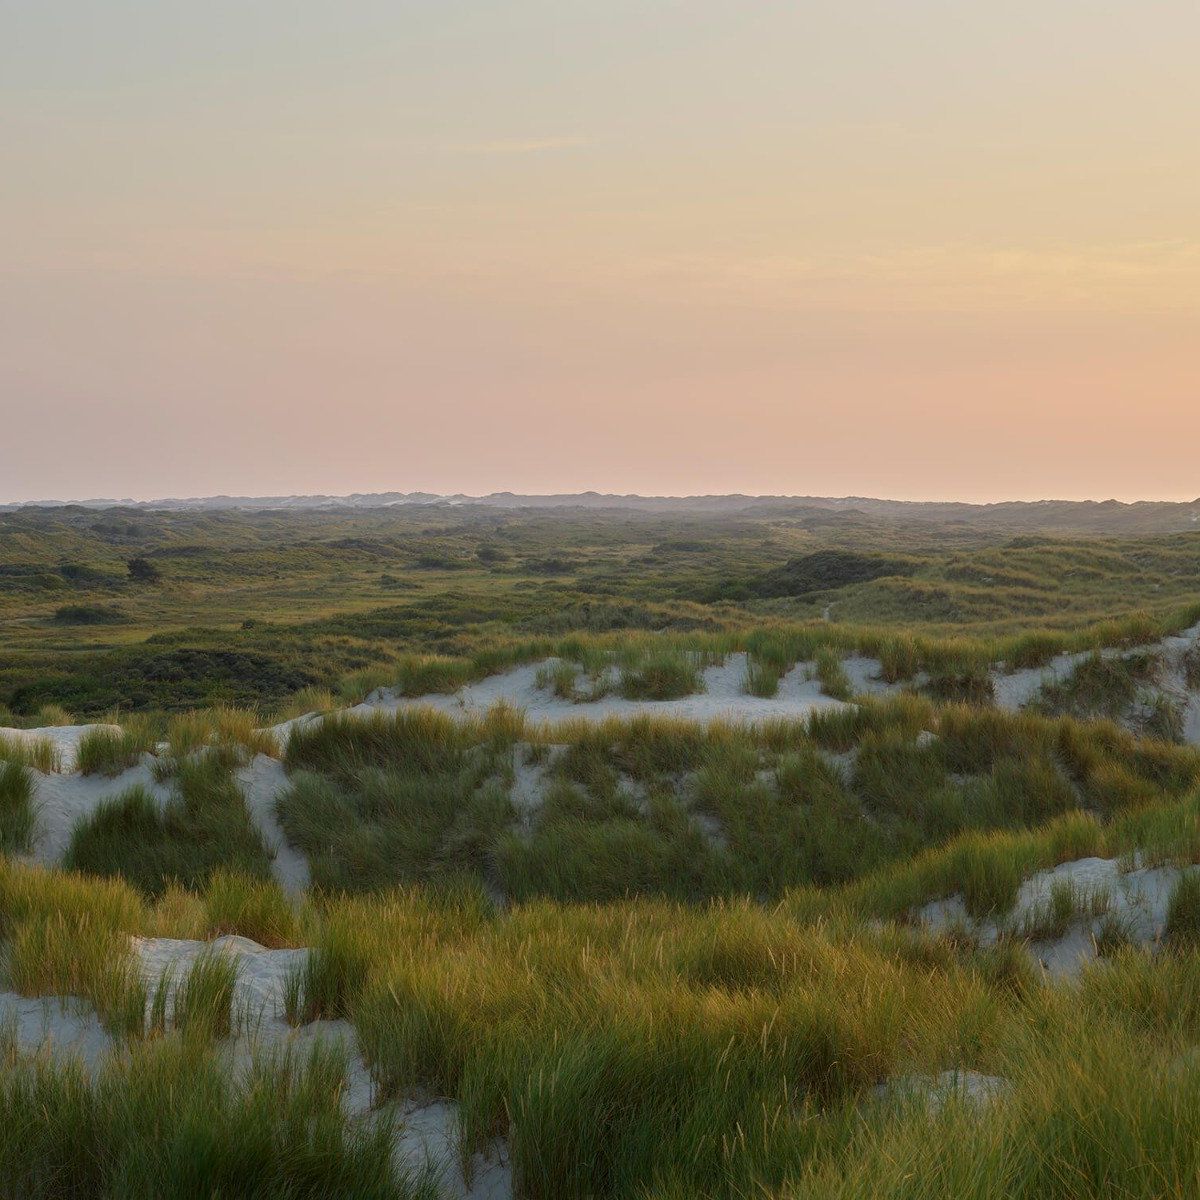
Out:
{"x": 1191, "y": 720}
{"x": 428, "y": 1135}
{"x": 1174, "y": 648}
{"x": 970, "y": 1087}
{"x": 61, "y": 1026}
{"x": 1016, "y": 689}
{"x": 721, "y": 699}
{"x": 261, "y": 973}
{"x": 61, "y": 801}
{"x": 64, "y": 738}
{"x": 1138, "y": 899}
{"x": 529, "y": 779}
{"x": 262, "y": 781}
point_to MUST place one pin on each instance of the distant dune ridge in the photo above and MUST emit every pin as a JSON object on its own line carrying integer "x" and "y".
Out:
{"x": 1098, "y": 516}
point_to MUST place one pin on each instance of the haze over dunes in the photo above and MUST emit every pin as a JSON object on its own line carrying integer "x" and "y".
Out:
{"x": 919, "y": 250}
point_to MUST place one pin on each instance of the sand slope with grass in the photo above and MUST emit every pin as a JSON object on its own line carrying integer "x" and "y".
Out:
{"x": 425, "y": 1142}
{"x": 62, "y": 800}
{"x": 722, "y": 698}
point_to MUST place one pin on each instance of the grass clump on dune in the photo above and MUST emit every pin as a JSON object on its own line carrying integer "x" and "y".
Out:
{"x": 202, "y": 1002}
{"x": 16, "y": 808}
{"x": 1101, "y": 686}
{"x": 38, "y": 753}
{"x": 559, "y": 679}
{"x": 203, "y": 828}
{"x": 81, "y": 954}
{"x": 1183, "y": 913}
{"x": 104, "y": 751}
{"x": 647, "y": 1047}
{"x": 387, "y": 827}
{"x": 231, "y": 733}
{"x": 664, "y": 807}
{"x": 173, "y": 1120}
{"x": 572, "y": 857}
{"x": 420, "y": 740}
{"x": 395, "y": 798}
{"x": 972, "y": 685}
{"x": 662, "y": 675}
{"x": 770, "y": 655}
{"x": 762, "y": 678}
{"x": 251, "y": 906}
{"x": 425, "y": 675}
{"x": 832, "y": 675}
{"x": 1096, "y": 1111}
{"x": 621, "y": 1047}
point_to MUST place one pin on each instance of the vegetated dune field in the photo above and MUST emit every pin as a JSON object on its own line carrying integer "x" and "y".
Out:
{"x": 789, "y": 850}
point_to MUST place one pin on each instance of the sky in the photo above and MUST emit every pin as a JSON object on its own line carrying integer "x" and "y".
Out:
{"x": 923, "y": 250}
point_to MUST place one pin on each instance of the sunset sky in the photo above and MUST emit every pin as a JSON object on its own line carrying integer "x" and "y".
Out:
{"x": 906, "y": 248}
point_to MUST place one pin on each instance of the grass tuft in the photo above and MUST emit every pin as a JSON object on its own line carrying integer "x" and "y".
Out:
{"x": 109, "y": 751}
{"x": 17, "y": 817}
{"x": 39, "y": 754}
{"x": 1182, "y": 928}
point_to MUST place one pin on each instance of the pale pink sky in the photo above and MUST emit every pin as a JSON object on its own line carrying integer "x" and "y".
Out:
{"x": 923, "y": 250}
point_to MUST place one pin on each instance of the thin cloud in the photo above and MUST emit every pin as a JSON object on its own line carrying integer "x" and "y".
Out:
{"x": 523, "y": 145}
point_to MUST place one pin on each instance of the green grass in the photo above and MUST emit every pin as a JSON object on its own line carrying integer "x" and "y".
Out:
{"x": 1183, "y": 913}
{"x": 173, "y": 1121}
{"x": 1104, "y": 1120}
{"x": 250, "y": 906}
{"x": 230, "y": 731}
{"x": 424, "y": 741}
{"x": 663, "y": 807}
{"x": 1062, "y": 906}
{"x": 1100, "y": 686}
{"x": 203, "y": 999}
{"x": 665, "y": 675}
{"x": 256, "y": 608}
{"x": 687, "y": 969}
{"x": 832, "y": 675}
{"x": 38, "y": 753}
{"x": 667, "y": 808}
{"x": 393, "y": 827}
{"x": 17, "y": 816}
{"x": 762, "y": 678}
{"x": 204, "y": 828}
{"x": 104, "y": 751}
{"x": 81, "y": 954}
{"x": 559, "y": 679}
{"x": 650, "y": 1047}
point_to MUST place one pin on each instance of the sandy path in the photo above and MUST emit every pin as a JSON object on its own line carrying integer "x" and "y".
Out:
{"x": 262, "y": 781}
